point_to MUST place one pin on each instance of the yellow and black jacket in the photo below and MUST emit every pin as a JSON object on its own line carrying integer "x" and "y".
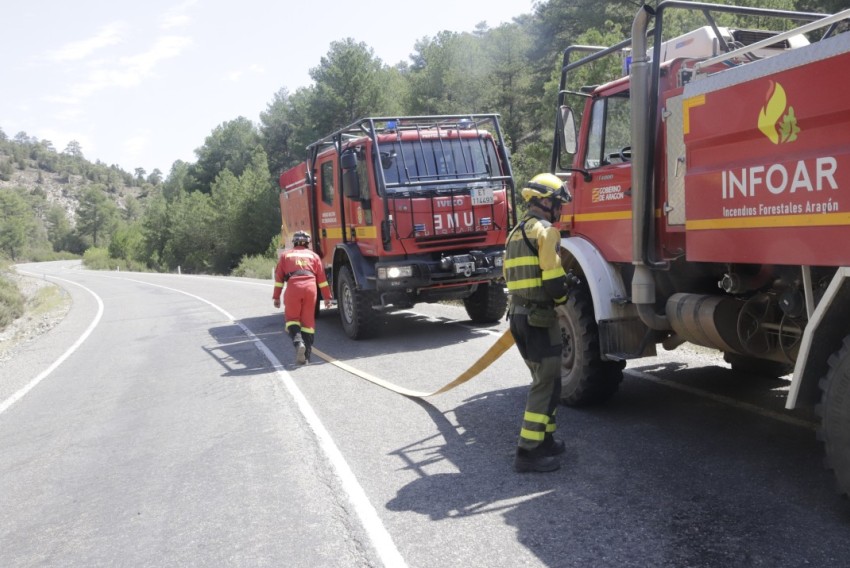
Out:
{"x": 532, "y": 267}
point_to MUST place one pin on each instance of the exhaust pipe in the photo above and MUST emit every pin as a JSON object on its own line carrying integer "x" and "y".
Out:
{"x": 639, "y": 72}
{"x": 643, "y": 284}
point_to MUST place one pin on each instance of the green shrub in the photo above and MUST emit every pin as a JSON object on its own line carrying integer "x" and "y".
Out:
{"x": 97, "y": 259}
{"x": 11, "y": 301}
{"x": 274, "y": 246}
{"x": 48, "y": 255}
{"x": 128, "y": 242}
{"x": 255, "y": 267}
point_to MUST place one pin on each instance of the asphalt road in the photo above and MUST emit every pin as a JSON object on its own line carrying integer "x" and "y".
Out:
{"x": 164, "y": 423}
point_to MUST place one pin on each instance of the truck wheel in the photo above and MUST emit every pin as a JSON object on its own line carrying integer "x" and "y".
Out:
{"x": 745, "y": 365}
{"x": 355, "y": 307}
{"x": 487, "y": 304}
{"x": 585, "y": 378}
{"x": 834, "y": 412}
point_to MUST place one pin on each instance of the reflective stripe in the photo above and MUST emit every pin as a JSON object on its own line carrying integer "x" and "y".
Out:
{"x": 290, "y": 323}
{"x": 535, "y": 417}
{"x": 532, "y": 435}
{"x": 299, "y": 272}
{"x": 300, "y": 254}
{"x": 550, "y": 427}
{"x": 308, "y": 330}
{"x": 522, "y": 265}
{"x": 553, "y": 273}
{"x": 521, "y": 261}
{"x": 323, "y": 285}
{"x": 278, "y": 284}
{"x": 525, "y": 284}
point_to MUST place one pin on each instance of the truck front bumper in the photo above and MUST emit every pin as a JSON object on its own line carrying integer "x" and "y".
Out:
{"x": 450, "y": 270}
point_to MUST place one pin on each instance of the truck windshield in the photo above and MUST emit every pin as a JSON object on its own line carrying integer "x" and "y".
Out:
{"x": 439, "y": 165}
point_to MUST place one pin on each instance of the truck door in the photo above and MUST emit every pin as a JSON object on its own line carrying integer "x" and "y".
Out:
{"x": 360, "y": 199}
{"x": 327, "y": 184}
{"x": 603, "y": 205}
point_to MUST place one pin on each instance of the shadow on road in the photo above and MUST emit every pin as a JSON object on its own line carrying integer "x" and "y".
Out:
{"x": 721, "y": 380}
{"x": 403, "y": 332}
{"x": 655, "y": 478}
{"x": 236, "y": 352}
{"x": 399, "y": 332}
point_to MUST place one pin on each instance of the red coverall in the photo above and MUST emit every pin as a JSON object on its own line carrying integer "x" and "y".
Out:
{"x": 301, "y": 270}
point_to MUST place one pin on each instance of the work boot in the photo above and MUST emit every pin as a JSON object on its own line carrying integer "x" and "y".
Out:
{"x": 552, "y": 446}
{"x": 294, "y": 333}
{"x": 300, "y": 352}
{"x": 534, "y": 460}
{"x": 308, "y": 343}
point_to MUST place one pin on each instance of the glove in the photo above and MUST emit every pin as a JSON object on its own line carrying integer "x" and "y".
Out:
{"x": 276, "y": 302}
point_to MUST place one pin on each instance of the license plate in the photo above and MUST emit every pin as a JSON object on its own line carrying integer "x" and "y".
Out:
{"x": 482, "y": 195}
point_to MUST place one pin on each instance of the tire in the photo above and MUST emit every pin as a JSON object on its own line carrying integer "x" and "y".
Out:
{"x": 358, "y": 318}
{"x": 745, "y": 365}
{"x": 487, "y": 304}
{"x": 834, "y": 412}
{"x": 585, "y": 378}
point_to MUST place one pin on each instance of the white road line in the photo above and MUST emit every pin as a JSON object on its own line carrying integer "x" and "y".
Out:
{"x": 380, "y": 537}
{"x": 378, "y": 534}
{"x": 723, "y": 400}
{"x": 31, "y": 385}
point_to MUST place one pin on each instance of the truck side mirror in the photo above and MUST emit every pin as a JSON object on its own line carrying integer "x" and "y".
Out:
{"x": 567, "y": 129}
{"x": 350, "y": 181}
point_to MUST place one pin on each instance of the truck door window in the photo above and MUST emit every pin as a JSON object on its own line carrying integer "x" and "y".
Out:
{"x": 365, "y": 192}
{"x": 328, "y": 182}
{"x": 610, "y": 131}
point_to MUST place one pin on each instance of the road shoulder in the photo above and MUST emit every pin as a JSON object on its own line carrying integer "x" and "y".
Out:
{"x": 45, "y": 307}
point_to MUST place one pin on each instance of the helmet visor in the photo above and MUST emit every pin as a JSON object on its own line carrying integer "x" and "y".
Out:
{"x": 548, "y": 192}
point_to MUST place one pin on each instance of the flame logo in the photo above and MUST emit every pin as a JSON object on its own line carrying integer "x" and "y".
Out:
{"x": 774, "y": 122}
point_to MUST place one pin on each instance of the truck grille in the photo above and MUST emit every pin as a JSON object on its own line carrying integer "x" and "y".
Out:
{"x": 443, "y": 241}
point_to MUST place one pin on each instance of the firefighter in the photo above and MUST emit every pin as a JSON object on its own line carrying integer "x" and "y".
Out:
{"x": 301, "y": 270}
{"x": 537, "y": 285}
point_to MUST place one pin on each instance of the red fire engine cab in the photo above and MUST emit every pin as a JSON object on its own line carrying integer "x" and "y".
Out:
{"x": 406, "y": 210}
{"x": 711, "y": 202}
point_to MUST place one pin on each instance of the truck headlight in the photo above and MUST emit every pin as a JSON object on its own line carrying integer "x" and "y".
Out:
{"x": 392, "y": 272}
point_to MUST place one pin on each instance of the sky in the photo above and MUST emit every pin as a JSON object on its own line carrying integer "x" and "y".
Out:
{"x": 142, "y": 84}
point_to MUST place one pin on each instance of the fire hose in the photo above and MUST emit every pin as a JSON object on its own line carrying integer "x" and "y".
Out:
{"x": 495, "y": 351}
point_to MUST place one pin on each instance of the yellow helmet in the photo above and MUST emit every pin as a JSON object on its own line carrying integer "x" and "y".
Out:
{"x": 544, "y": 186}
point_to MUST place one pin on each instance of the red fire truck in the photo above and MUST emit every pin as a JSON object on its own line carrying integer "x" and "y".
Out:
{"x": 406, "y": 210}
{"x": 711, "y": 203}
